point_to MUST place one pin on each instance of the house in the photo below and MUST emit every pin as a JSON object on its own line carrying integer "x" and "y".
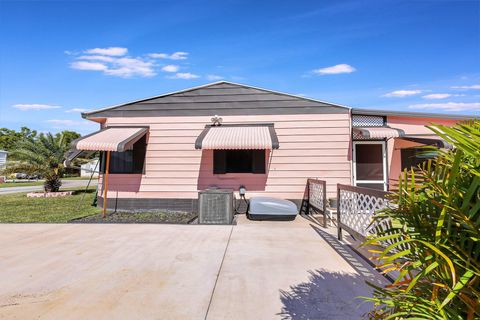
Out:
{"x": 162, "y": 150}
{"x": 90, "y": 169}
{"x": 3, "y": 159}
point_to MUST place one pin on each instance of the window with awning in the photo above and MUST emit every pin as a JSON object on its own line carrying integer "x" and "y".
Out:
{"x": 238, "y": 148}
{"x": 126, "y": 144}
{"x": 117, "y": 139}
{"x": 238, "y": 137}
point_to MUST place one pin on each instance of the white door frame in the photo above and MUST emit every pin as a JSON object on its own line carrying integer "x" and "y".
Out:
{"x": 384, "y": 156}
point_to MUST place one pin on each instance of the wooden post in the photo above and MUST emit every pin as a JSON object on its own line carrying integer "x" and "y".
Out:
{"x": 105, "y": 185}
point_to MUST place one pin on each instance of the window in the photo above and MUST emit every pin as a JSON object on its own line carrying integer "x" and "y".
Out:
{"x": 130, "y": 161}
{"x": 238, "y": 161}
{"x": 412, "y": 157}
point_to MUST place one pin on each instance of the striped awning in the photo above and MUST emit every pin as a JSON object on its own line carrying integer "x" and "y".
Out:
{"x": 432, "y": 140}
{"x": 116, "y": 139}
{"x": 237, "y": 137}
{"x": 378, "y": 132}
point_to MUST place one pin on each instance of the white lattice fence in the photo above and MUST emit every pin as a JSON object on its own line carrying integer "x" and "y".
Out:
{"x": 356, "y": 207}
{"x": 317, "y": 197}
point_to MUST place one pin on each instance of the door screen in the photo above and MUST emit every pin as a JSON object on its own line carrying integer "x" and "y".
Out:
{"x": 369, "y": 165}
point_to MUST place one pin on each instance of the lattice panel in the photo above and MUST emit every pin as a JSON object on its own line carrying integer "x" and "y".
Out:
{"x": 357, "y": 136}
{"x": 367, "y": 121}
{"x": 357, "y": 209}
{"x": 316, "y": 195}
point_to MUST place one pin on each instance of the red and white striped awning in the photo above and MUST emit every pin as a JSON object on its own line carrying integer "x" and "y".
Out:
{"x": 116, "y": 139}
{"x": 236, "y": 137}
{"x": 378, "y": 132}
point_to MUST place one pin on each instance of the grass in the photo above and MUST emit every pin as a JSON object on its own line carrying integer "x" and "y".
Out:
{"x": 18, "y": 208}
{"x": 21, "y": 184}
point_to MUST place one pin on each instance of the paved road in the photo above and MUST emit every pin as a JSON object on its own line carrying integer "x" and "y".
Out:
{"x": 65, "y": 184}
{"x": 253, "y": 270}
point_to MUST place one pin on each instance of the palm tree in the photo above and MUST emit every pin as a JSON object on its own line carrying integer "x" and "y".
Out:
{"x": 43, "y": 156}
{"x": 433, "y": 242}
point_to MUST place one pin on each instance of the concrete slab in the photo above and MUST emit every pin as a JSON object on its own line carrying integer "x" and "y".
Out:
{"x": 289, "y": 270}
{"x": 254, "y": 270}
{"x": 108, "y": 271}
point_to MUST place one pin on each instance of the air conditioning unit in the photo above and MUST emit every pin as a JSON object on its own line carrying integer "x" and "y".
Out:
{"x": 215, "y": 206}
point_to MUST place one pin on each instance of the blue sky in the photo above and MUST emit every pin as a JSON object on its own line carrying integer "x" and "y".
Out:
{"x": 60, "y": 57}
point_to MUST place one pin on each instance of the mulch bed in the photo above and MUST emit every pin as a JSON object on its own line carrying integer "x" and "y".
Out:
{"x": 177, "y": 217}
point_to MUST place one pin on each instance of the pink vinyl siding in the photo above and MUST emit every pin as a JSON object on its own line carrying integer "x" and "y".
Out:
{"x": 411, "y": 126}
{"x": 313, "y": 145}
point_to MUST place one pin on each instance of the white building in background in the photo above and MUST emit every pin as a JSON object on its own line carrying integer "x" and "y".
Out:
{"x": 3, "y": 159}
{"x": 89, "y": 167}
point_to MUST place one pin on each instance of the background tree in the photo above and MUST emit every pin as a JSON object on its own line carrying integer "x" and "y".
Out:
{"x": 9, "y": 138}
{"x": 68, "y": 136}
{"x": 42, "y": 156}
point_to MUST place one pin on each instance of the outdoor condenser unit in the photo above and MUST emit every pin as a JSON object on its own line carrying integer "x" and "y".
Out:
{"x": 215, "y": 206}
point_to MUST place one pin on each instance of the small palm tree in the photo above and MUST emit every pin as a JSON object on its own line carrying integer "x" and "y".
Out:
{"x": 43, "y": 156}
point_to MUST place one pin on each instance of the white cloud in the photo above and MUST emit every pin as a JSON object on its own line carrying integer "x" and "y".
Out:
{"x": 97, "y": 57}
{"x": 186, "y": 75}
{"x": 35, "y": 106}
{"x": 128, "y": 67}
{"x": 115, "y": 61}
{"x": 472, "y": 87}
{"x": 86, "y": 65}
{"x": 336, "y": 69}
{"x": 170, "y": 68}
{"x": 111, "y": 51}
{"x": 448, "y": 106}
{"x": 214, "y": 77}
{"x": 124, "y": 67}
{"x": 402, "y": 93}
{"x": 179, "y": 55}
{"x": 76, "y": 110}
{"x": 437, "y": 96}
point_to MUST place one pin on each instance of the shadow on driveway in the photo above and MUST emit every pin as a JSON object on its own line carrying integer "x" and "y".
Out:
{"x": 327, "y": 295}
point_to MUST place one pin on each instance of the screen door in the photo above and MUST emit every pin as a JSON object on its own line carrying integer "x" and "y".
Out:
{"x": 369, "y": 165}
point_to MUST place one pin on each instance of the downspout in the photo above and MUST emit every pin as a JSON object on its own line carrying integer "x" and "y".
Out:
{"x": 350, "y": 115}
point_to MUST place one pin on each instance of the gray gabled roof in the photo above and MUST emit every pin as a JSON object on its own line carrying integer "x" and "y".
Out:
{"x": 222, "y": 98}
{"x": 373, "y": 112}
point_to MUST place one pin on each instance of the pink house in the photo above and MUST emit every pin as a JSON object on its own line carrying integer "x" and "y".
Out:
{"x": 164, "y": 149}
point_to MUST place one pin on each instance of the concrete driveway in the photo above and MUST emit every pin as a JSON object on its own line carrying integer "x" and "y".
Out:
{"x": 65, "y": 184}
{"x": 254, "y": 270}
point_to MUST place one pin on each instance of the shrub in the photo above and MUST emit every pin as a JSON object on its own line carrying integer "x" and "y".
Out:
{"x": 434, "y": 240}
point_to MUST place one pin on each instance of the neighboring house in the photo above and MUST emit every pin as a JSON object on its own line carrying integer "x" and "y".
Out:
{"x": 164, "y": 149}
{"x": 88, "y": 168}
{"x": 3, "y": 159}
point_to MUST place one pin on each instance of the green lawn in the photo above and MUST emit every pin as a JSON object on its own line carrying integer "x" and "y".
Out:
{"x": 18, "y": 208}
{"x": 21, "y": 184}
